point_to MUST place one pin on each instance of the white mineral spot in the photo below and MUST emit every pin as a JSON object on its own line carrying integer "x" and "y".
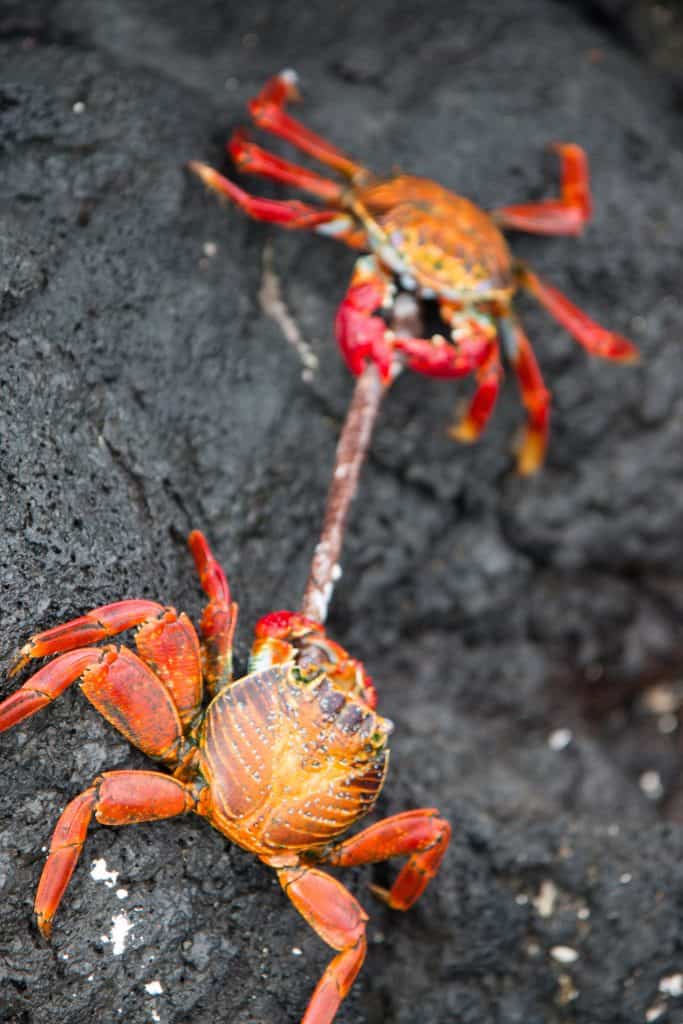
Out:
{"x": 661, "y": 699}
{"x": 672, "y": 985}
{"x": 155, "y": 1016}
{"x": 296, "y": 951}
{"x": 121, "y": 925}
{"x": 78, "y": 107}
{"x": 656, "y": 1011}
{"x": 583, "y": 913}
{"x": 667, "y": 723}
{"x": 625, "y": 878}
{"x": 521, "y": 899}
{"x": 613, "y": 830}
{"x": 559, "y": 739}
{"x": 545, "y": 901}
{"x": 564, "y": 954}
{"x": 209, "y": 249}
{"x": 101, "y": 873}
{"x": 336, "y": 572}
{"x": 154, "y": 988}
{"x": 121, "y": 893}
{"x": 651, "y": 784}
{"x": 568, "y": 991}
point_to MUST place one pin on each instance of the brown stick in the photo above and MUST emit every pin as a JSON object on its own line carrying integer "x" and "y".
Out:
{"x": 351, "y": 451}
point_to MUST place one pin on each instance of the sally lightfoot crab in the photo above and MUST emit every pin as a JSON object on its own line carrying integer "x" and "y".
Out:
{"x": 434, "y": 243}
{"x": 281, "y": 761}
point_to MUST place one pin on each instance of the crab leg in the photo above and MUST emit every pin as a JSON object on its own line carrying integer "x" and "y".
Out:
{"x": 219, "y": 617}
{"x": 116, "y": 798}
{"x": 596, "y": 339}
{"x": 339, "y": 920}
{"x": 252, "y": 159}
{"x": 97, "y": 624}
{"x": 564, "y": 216}
{"x": 489, "y": 376}
{"x": 267, "y": 110}
{"x": 535, "y": 396}
{"x": 288, "y": 213}
{"x": 421, "y": 835}
{"x": 116, "y": 682}
{"x": 46, "y": 685}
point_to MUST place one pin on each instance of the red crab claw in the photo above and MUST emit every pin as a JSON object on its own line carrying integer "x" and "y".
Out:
{"x": 437, "y": 357}
{"x": 285, "y": 625}
{"x": 285, "y": 636}
{"x": 360, "y": 332}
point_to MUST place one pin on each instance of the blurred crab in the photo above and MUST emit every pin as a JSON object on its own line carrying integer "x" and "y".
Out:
{"x": 281, "y": 761}
{"x": 437, "y": 244}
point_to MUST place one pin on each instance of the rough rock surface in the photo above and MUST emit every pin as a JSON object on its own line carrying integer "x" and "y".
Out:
{"x": 524, "y": 635}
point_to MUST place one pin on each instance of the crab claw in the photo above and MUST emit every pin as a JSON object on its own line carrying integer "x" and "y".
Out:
{"x": 289, "y": 636}
{"x": 285, "y": 625}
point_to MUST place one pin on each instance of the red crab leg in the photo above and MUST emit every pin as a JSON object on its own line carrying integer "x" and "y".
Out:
{"x": 116, "y": 798}
{"x": 219, "y": 617}
{"x": 489, "y": 376}
{"x": 116, "y": 682}
{"x": 596, "y": 339}
{"x": 268, "y": 113}
{"x": 535, "y": 396}
{"x": 252, "y": 159}
{"x": 421, "y": 835}
{"x": 288, "y": 213}
{"x": 46, "y": 685}
{"x": 564, "y": 216}
{"x": 339, "y": 920}
{"x": 98, "y": 624}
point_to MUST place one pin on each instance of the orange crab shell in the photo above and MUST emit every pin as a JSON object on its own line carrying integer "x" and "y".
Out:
{"x": 450, "y": 246}
{"x": 289, "y": 765}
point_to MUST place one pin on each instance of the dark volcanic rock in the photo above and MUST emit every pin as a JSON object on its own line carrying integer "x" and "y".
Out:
{"x": 511, "y": 625}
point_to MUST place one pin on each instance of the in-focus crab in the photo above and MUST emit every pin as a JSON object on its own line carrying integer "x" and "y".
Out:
{"x": 281, "y": 761}
{"x": 428, "y": 240}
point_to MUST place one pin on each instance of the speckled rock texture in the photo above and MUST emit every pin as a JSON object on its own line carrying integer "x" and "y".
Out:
{"x": 524, "y": 634}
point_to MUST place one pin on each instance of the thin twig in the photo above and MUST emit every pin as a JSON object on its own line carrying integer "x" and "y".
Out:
{"x": 351, "y": 451}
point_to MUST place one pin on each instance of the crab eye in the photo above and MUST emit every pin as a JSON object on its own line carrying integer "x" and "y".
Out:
{"x": 306, "y": 675}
